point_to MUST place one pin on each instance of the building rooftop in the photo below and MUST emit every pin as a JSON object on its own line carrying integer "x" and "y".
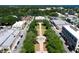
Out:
{"x": 72, "y": 30}
{"x": 60, "y": 22}
{"x": 5, "y": 35}
{"x": 10, "y": 40}
{"x": 72, "y": 17}
{"x": 19, "y": 24}
{"x": 39, "y": 18}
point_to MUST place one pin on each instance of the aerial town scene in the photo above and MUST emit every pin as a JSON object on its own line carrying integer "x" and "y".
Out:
{"x": 39, "y": 29}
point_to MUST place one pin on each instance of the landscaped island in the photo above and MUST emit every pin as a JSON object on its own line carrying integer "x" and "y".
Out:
{"x": 53, "y": 43}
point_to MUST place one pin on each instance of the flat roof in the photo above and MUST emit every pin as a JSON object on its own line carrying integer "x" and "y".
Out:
{"x": 72, "y": 31}
{"x": 10, "y": 40}
{"x": 71, "y": 16}
{"x": 39, "y": 17}
{"x": 5, "y": 35}
{"x": 60, "y": 22}
{"x": 18, "y": 24}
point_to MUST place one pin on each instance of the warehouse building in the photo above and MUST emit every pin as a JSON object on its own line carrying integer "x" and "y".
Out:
{"x": 10, "y": 38}
{"x": 59, "y": 23}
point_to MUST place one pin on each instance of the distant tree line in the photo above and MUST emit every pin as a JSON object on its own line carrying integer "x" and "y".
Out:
{"x": 4, "y": 12}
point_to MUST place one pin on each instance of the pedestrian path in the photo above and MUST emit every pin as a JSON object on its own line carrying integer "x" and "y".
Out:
{"x": 41, "y": 39}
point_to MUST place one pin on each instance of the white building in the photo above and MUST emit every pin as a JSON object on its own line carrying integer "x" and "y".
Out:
{"x": 19, "y": 25}
{"x": 42, "y": 9}
{"x": 59, "y": 23}
{"x": 39, "y": 18}
{"x": 10, "y": 38}
{"x": 71, "y": 16}
{"x": 7, "y": 39}
{"x": 73, "y": 19}
{"x": 71, "y": 34}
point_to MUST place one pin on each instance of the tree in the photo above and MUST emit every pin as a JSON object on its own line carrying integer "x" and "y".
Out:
{"x": 53, "y": 14}
{"x": 28, "y": 44}
{"x": 9, "y": 20}
{"x": 54, "y": 44}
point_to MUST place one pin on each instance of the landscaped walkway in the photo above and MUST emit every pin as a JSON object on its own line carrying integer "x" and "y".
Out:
{"x": 41, "y": 39}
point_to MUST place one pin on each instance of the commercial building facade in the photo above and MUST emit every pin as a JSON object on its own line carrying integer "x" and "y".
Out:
{"x": 71, "y": 37}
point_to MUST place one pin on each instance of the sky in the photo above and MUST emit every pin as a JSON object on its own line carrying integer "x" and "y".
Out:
{"x": 39, "y": 2}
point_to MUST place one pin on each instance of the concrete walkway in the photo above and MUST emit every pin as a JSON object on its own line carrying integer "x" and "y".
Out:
{"x": 41, "y": 39}
{"x": 40, "y": 30}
